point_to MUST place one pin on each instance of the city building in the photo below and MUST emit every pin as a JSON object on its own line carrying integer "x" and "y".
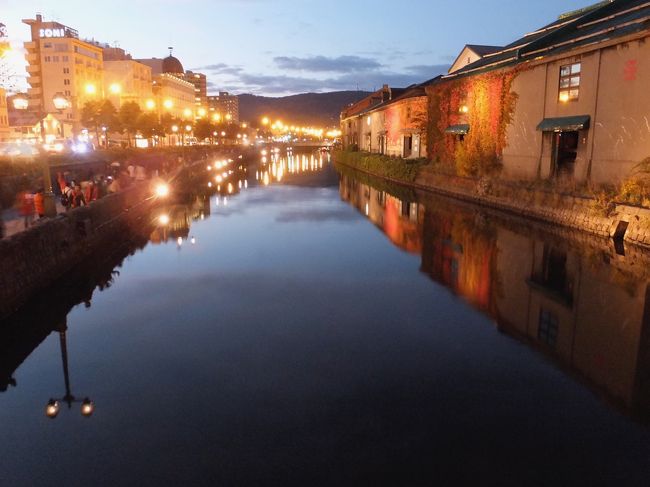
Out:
{"x": 568, "y": 101}
{"x": 351, "y": 116}
{"x": 126, "y": 80}
{"x": 391, "y": 121}
{"x": 200, "y": 82}
{"x": 224, "y": 107}
{"x": 4, "y": 117}
{"x": 59, "y": 63}
{"x": 173, "y": 93}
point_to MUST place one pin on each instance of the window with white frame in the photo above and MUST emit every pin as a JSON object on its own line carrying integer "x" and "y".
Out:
{"x": 569, "y": 82}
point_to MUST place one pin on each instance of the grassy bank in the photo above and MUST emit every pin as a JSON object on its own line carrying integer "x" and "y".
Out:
{"x": 405, "y": 170}
{"x": 404, "y": 193}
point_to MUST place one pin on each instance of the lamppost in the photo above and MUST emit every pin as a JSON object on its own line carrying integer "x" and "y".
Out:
{"x": 21, "y": 102}
{"x": 188, "y": 131}
{"x": 53, "y": 405}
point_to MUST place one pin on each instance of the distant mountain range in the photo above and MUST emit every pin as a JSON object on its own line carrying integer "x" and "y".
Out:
{"x": 315, "y": 109}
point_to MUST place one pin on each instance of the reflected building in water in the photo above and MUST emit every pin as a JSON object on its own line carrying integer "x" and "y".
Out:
{"x": 399, "y": 219}
{"x": 580, "y": 304}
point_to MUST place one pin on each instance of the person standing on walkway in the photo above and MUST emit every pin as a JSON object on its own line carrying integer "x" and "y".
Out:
{"x": 140, "y": 173}
{"x": 114, "y": 186}
{"x": 91, "y": 193}
{"x": 78, "y": 198}
{"x": 26, "y": 207}
{"x": 66, "y": 197}
{"x": 61, "y": 181}
{"x": 39, "y": 203}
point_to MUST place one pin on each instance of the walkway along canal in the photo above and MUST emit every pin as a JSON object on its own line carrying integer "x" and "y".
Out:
{"x": 301, "y": 326}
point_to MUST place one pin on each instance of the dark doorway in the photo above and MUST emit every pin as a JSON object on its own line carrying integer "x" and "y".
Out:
{"x": 408, "y": 145}
{"x": 565, "y": 151}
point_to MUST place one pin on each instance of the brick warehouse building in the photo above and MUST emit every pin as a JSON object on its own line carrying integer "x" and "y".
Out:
{"x": 567, "y": 101}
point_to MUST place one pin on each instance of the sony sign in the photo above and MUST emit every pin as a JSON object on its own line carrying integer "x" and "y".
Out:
{"x": 51, "y": 33}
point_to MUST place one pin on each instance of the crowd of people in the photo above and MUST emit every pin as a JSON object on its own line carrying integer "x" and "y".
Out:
{"x": 81, "y": 186}
{"x": 76, "y": 188}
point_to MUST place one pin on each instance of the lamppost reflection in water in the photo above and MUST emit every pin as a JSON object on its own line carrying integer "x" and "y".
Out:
{"x": 54, "y": 405}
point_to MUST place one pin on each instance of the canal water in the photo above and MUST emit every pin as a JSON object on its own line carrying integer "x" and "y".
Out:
{"x": 292, "y": 325}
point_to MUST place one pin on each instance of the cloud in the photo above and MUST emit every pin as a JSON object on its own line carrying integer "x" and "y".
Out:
{"x": 428, "y": 70}
{"x": 329, "y": 74}
{"x": 220, "y": 68}
{"x": 316, "y": 216}
{"x": 340, "y": 64}
{"x": 282, "y": 84}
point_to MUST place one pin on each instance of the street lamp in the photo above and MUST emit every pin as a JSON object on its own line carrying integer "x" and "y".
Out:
{"x": 53, "y": 405}
{"x": 21, "y": 102}
{"x": 115, "y": 88}
{"x": 175, "y": 132}
{"x": 188, "y": 129}
{"x": 60, "y": 102}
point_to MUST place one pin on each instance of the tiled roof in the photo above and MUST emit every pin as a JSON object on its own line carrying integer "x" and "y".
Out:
{"x": 603, "y": 21}
{"x": 483, "y": 50}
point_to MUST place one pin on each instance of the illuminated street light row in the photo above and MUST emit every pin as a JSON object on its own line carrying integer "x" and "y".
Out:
{"x": 279, "y": 126}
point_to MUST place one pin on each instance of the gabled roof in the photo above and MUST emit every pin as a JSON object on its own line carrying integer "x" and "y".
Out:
{"x": 376, "y": 99}
{"x": 599, "y": 22}
{"x": 412, "y": 91}
{"x": 477, "y": 49}
{"x": 483, "y": 50}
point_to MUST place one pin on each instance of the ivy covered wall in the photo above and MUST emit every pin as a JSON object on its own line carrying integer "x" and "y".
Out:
{"x": 486, "y": 103}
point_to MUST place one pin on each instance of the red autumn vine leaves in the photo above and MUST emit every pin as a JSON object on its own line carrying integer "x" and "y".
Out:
{"x": 489, "y": 103}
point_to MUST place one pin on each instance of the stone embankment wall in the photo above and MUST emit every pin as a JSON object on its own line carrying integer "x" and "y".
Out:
{"x": 616, "y": 220}
{"x": 547, "y": 205}
{"x": 32, "y": 260}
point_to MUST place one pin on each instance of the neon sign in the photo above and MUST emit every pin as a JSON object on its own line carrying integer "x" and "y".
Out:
{"x": 47, "y": 33}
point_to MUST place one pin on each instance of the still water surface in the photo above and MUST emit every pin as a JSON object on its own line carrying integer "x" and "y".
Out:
{"x": 328, "y": 329}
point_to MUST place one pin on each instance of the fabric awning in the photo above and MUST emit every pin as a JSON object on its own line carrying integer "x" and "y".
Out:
{"x": 578, "y": 122}
{"x": 462, "y": 129}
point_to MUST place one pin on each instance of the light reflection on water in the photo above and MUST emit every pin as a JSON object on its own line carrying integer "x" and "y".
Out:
{"x": 269, "y": 331}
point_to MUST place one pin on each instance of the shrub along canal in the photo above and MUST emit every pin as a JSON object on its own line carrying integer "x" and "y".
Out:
{"x": 291, "y": 325}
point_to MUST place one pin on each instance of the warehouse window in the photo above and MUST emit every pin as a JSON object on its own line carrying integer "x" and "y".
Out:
{"x": 569, "y": 82}
{"x": 548, "y": 327}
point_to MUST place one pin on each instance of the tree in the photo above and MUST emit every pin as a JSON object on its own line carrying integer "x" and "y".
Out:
{"x": 203, "y": 129}
{"x": 90, "y": 116}
{"x": 149, "y": 125}
{"x": 100, "y": 114}
{"x": 128, "y": 117}
{"x": 108, "y": 117}
{"x": 167, "y": 121}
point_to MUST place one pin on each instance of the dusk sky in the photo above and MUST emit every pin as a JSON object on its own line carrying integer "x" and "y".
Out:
{"x": 279, "y": 47}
